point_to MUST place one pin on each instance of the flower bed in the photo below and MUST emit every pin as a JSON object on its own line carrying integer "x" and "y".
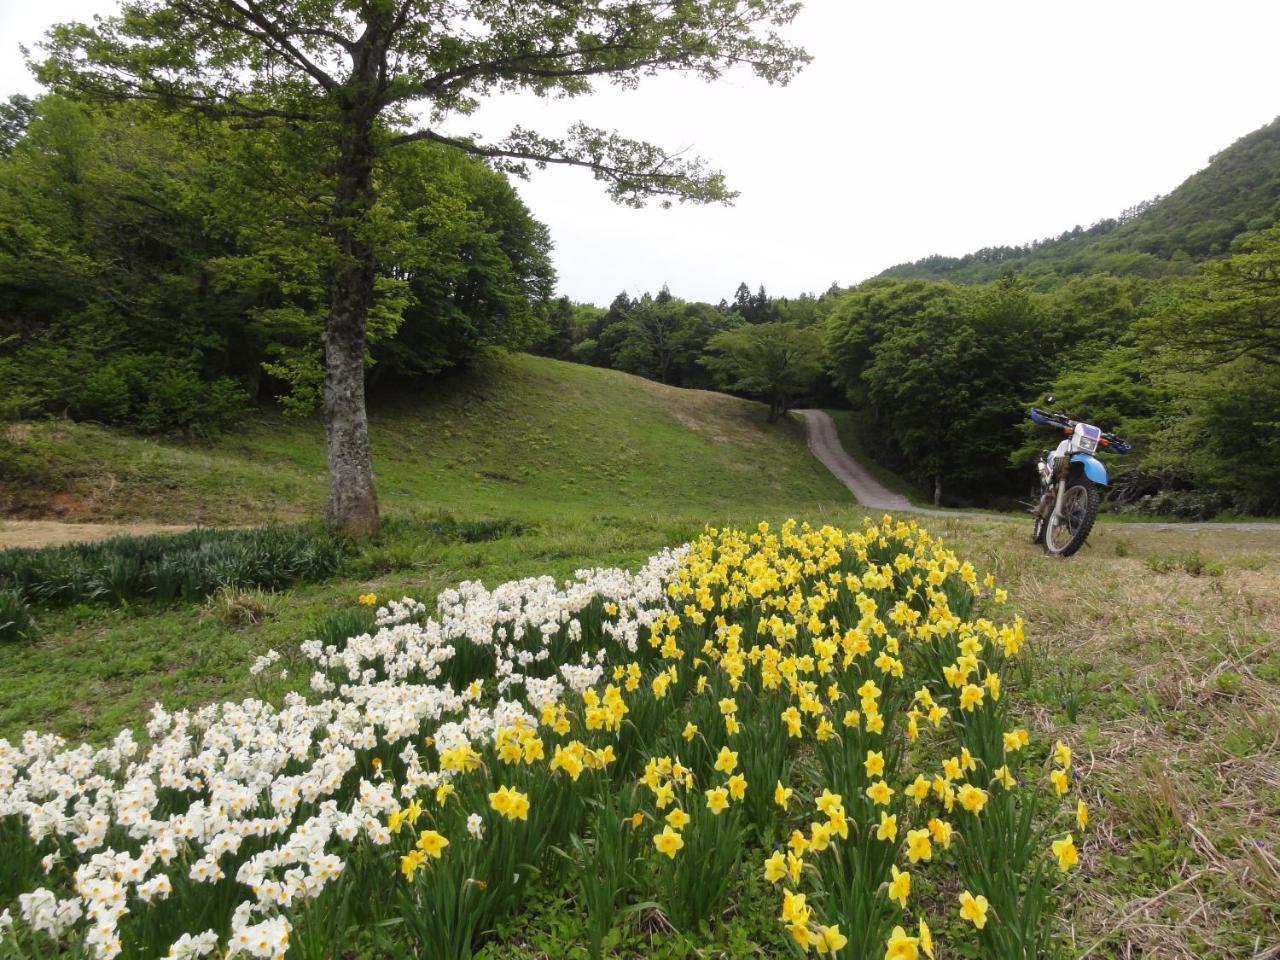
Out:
{"x": 822, "y": 708}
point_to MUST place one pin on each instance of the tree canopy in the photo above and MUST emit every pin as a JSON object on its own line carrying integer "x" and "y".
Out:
{"x": 351, "y": 81}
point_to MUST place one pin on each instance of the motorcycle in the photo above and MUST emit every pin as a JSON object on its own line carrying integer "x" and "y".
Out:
{"x": 1071, "y": 478}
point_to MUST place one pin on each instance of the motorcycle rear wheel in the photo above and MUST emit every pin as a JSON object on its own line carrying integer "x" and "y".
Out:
{"x": 1067, "y": 534}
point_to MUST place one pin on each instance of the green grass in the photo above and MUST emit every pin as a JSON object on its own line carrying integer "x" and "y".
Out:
{"x": 1153, "y": 652}
{"x": 518, "y": 436}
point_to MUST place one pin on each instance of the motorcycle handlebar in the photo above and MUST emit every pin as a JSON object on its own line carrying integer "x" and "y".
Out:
{"x": 1049, "y": 418}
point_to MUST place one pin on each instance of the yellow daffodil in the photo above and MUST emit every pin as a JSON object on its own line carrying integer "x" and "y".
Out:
{"x": 668, "y": 842}
{"x": 1061, "y": 754}
{"x": 410, "y": 863}
{"x": 926, "y": 939}
{"x": 828, "y": 801}
{"x": 940, "y": 830}
{"x": 919, "y": 846}
{"x": 901, "y": 947}
{"x": 717, "y": 799}
{"x": 782, "y": 795}
{"x": 972, "y": 798}
{"x": 880, "y": 793}
{"x": 726, "y": 760}
{"x": 900, "y": 886}
{"x": 874, "y": 764}
{"x": 830, "y": 940}
{"x": 973, "y": 909}
{"x": 1061, "y": 780}
{"x": 1065, "y": 851}
{"x": 432, "y": 843}
{"x": 775, "y": 867}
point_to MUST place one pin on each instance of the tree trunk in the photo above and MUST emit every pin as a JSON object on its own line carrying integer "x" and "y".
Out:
{"x": 353, "y": 502}
{"x": 937, "y": 489}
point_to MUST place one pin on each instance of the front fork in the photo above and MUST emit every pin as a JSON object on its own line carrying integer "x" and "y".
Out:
{"x": 1057, "y": 506}
{"x": 1063, "y": 468}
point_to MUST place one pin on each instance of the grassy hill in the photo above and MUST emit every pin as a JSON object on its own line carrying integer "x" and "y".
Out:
{"x": 592, "y": 467}
{"x": 519, "y": 436}
{"x": 1238, "y": 192}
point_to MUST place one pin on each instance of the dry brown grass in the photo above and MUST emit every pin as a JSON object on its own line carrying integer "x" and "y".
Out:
{"x": 1177, "y": 728}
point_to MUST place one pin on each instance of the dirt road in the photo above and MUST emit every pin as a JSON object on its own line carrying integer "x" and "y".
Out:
{"x": 824, "y": 441}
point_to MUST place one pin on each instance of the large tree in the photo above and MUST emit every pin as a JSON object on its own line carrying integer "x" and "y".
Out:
{"x": 361, "y": 77}
{"x": 776, "y": 362}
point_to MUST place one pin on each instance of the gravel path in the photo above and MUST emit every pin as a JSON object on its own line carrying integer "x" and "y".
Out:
{"x": 824, "y": 441}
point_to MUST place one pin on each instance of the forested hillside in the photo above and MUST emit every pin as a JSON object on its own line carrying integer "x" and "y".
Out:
{"x": 1238, "y": 192}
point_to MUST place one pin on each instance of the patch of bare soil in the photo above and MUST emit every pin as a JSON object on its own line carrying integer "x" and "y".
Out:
{"x": 47, "y": 533}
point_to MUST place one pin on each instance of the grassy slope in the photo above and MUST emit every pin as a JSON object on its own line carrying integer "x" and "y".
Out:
{"x": 1153, "y": 653}
{"x": 520, "y": 436}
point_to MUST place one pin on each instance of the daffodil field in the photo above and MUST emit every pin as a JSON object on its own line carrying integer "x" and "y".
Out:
{"x": 820, "y": 712}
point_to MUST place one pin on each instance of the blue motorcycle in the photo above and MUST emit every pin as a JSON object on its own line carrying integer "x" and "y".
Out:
{"x": 1071, "y": 477}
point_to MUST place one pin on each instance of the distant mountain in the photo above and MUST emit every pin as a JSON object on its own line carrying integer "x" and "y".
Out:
{"x": 1239, "y": 191}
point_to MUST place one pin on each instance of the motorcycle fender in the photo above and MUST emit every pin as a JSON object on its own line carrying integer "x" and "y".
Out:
{"x": 1093, "y": 468}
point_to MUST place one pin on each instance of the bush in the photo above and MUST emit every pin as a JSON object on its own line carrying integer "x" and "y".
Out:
{"x": 1182, "y": 504}
{"x": 237, "y": 607}
{"x": 187, "y": 566}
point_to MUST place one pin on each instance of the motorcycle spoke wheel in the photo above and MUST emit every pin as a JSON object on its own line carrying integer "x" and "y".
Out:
{"x": 1066, "y": 534}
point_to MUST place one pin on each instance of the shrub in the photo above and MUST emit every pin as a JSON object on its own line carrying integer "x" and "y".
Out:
{"x": 240, "y": 606}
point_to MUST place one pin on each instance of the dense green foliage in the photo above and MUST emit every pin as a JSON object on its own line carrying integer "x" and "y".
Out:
{"x": 344, "y": 86}
{"x": 756, "y": 346}
{"x": 1187, "y": 368}
{"x": 943, "y": 373}
{"x": 776, "y": 362}
{"x": 161, "y": 274}
{"x": 165, "y": 567}
{"x": 1238, "y": 192}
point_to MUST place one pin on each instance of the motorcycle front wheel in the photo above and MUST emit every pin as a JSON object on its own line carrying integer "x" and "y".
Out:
{"x": 1066, "y": 533}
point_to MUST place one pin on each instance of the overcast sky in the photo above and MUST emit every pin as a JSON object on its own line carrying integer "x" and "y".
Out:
{"x": 920, "y": 128}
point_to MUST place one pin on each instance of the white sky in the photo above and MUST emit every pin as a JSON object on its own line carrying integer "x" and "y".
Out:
{"x": 921, "y": 127}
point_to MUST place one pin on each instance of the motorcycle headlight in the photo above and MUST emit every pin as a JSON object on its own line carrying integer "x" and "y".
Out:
{"x": 1088, "y": 444}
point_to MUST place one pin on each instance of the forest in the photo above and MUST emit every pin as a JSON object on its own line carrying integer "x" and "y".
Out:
{"x": 162, "y": 271}
{"x": 940, "y": 374}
